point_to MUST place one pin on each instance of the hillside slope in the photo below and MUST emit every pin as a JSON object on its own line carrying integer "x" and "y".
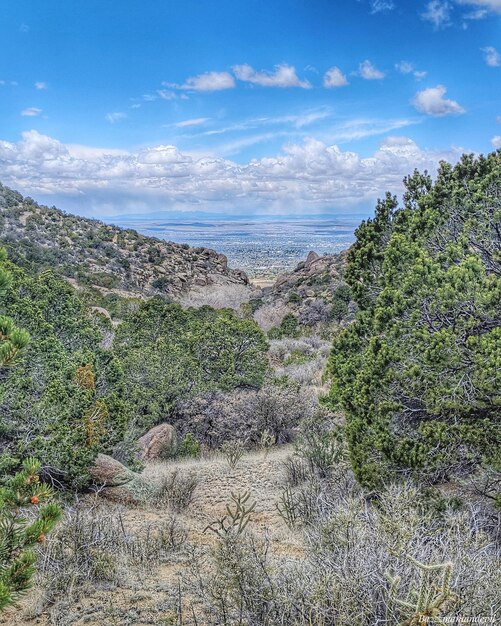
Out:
{"x": 109, "y": 257}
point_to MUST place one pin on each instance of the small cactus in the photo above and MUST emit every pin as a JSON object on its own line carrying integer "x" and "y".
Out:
{"x": 233, "y": 452}
{"x": 267, "y": 441}
{"x": 427, "y": 605}
{"x": 236, "y": 519}
{"x": 287, "y": 507}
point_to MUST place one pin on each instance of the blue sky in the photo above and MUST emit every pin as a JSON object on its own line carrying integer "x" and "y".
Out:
{"x": 298, "y": 106}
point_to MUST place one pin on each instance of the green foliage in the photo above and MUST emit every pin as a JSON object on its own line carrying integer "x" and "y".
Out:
{"x": 418, "y": 372}
{"x": 427, "y": 604}
{"x": 189, "y": 447}
{"x": 18, "y": 535}
{"x": 168, "y": 353}
{"x": 289, "y": 327}
{"x": 340, "y": 301}
{"x": 46, "y": 411}
{"x": 21, "y": 530}
{"x": 238, "y": 515}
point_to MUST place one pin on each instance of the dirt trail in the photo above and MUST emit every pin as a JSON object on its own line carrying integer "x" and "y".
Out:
{"x": 141, "y": 598}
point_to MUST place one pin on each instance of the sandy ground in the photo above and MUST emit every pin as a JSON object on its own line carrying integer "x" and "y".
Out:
{"x": 144, "y": 596}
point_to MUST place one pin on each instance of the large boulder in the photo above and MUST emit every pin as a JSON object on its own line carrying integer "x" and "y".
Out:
{"x": 118, "y": 482}
{"x": 159, "y": 443}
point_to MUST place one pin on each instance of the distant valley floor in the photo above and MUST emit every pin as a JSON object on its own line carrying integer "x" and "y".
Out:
{"x": 263, "y": 248}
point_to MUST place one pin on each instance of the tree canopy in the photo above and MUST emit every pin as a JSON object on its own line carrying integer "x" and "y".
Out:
{"x": 418, "y": 373}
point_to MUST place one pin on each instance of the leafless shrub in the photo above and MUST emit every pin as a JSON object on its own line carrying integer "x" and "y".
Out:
{"x": 320, "y": 443}
{"x": 270, "y": 315}
{"x": 302, "y": 360}
{"x": 218, "y": 296}
{"x": 176, "y": 490}
{"x": 93, "y": 545}
{"x": 217, "y": 417}
{"x": 295, "y": 470}
{"x": 314, "y": 312}
{"x": 350, "y": 547}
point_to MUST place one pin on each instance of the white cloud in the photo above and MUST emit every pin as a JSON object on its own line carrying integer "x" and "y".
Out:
{"x": 438, "y": 12}
{"x": 116, "y": 116}
{"x": 194, "y": 122}
{"x": 491, "y": 56}
{"x": 498, "y": 119}
{"x": 164, "y": 94}
{"x": 379, "y": 6}
{"x": 210, "y": 81}
{"x": 31, "y": 112}
{"x": 496, "y": 142}
{"x": 360, "y": 128}
{"x": 310, "y": 174}
{"x": 334, "y": 77}
{"x": 368, "y": 71}
{"x": 484, "y": 6}
{"x": 297, "y": 121}
{"x": 92, "y": 153}
{"x": 41, "y": 85}
{"x": 432, "y": 102}
{"x": 283, "y": 76}
{"x": 404, "y": 67}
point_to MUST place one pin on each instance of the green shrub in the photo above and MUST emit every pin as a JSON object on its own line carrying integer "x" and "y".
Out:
{"x": 418, "y": 372}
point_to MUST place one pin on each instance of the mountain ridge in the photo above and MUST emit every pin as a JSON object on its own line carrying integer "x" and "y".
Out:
{"x": 93, "y": 253}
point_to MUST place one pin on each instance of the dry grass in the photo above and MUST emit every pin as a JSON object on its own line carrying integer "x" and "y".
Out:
{"x": 218, "y": 296}
{"x": 109, "y": 565}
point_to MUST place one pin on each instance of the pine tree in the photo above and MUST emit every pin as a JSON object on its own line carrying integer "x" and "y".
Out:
{"x": 24, "y": 521}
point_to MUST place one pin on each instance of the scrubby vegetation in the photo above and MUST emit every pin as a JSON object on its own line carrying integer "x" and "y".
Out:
{"x": 340, "y": 429}
{"x": 104, "y": 257}
{"x": 418, "y": 374}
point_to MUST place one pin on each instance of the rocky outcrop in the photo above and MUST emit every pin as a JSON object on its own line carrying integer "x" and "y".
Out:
{"x": 311, "y": 292}
{"x": 105, "y": 256}
{"x": 118, "y": 482}
{"x": 158, "y": 443}
{"x": 317, "y": 276}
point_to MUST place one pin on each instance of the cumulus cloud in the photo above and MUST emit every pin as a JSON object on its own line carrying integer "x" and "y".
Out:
{"x": 492, "y": 56}
{"x": 114, "y": 117}
{"x": 283, "y": 76}
{"x": 41, "y": 85}
{"x": 209, "y": 81}
{"x": 309, "y": 174}
{"x": 369, "y": 72}
{"x": 334, "y": 77}
{"x": 31, "y": 112}
{"x": 496, "y": 142}
{"x": 432, "y": 102}
{"x": 438, "y": 12}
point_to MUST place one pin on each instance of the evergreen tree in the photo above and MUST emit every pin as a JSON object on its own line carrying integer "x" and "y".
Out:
{"x": 20, "y": 529}
{"x": 418, "y": 373}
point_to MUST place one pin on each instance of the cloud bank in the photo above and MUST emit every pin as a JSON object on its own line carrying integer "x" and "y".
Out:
{"x": 309, "y": 176}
